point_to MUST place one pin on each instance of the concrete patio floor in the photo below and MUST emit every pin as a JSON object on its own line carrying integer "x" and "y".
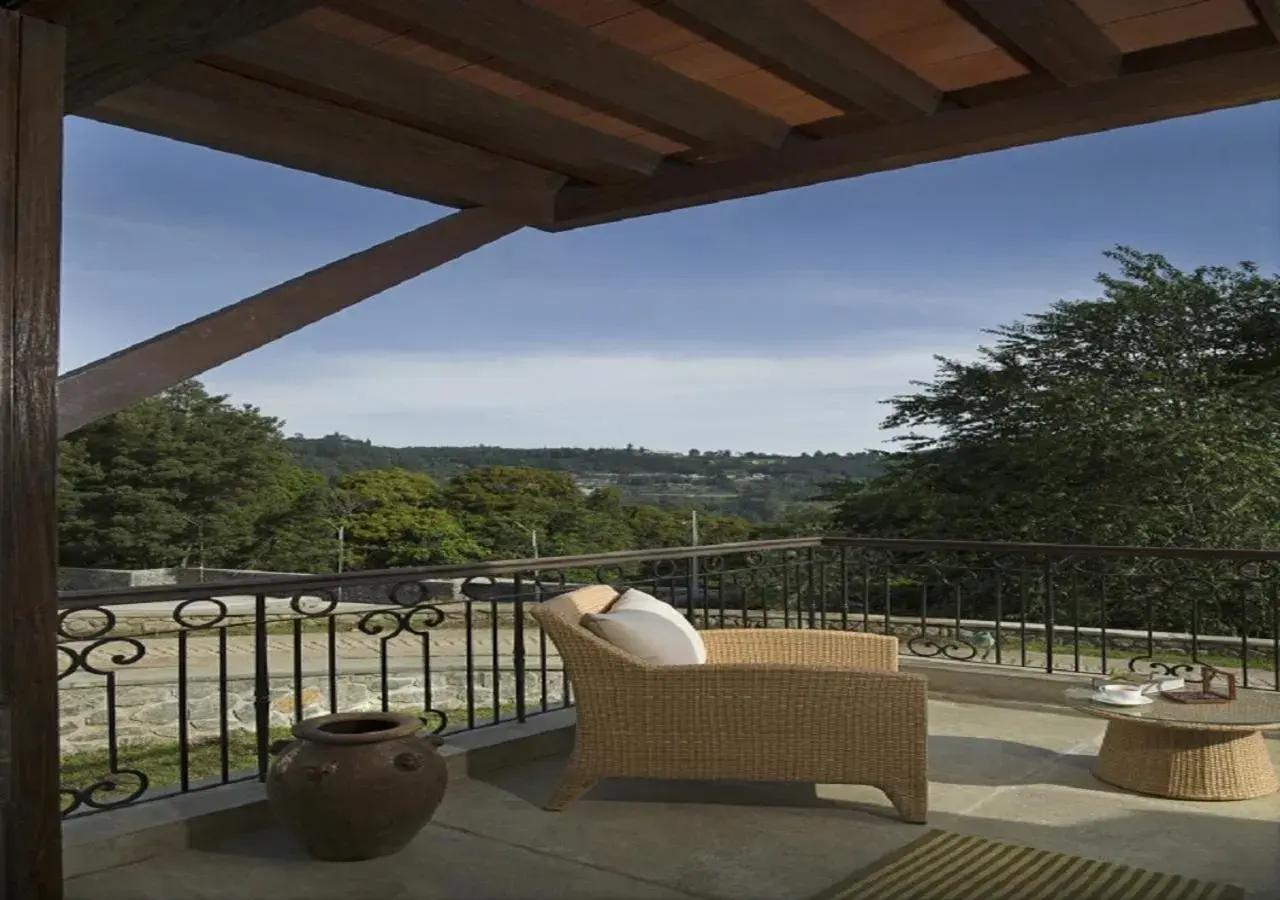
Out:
{"x": 1013, "y": 774}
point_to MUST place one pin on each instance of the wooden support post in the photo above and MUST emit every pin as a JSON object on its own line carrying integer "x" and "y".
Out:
{"x": 32, "y": 67}
{"x": 145, "y": 369}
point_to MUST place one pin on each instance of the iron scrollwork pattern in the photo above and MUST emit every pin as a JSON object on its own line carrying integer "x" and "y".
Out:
{"x": 932, "y": 645}
{"x": 415, "y": 614}
{"x": 87, "y": 646}
{"x": 1036, "y": 606}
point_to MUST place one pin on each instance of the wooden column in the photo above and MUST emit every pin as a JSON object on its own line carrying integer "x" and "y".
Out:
{"x": 32, "y": 66}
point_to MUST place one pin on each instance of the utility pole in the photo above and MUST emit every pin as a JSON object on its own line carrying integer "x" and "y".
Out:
{"x": 199, "y": 526}
{"x": 533, "y": 535}
{"x": 200, "y": 541}
{"x": 342, "y": 545}
{"x": 693, "y": 526}
{"x": 341, "y": 506}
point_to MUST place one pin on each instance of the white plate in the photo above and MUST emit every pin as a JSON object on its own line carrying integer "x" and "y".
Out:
{"x": 1113, "y": 700}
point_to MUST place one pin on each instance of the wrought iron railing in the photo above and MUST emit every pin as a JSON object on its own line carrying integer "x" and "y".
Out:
{"x": 179, "y": 688}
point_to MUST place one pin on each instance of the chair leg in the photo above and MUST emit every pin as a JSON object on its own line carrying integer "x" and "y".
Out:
{"x": 912, "y": 804}
{"x": 573, "y": 785}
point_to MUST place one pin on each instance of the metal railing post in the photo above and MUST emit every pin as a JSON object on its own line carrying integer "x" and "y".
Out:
{"x": 261, "y": 686}
{"x": 517, "y": 651}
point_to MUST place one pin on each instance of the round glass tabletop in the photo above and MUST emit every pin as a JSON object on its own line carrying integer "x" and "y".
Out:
{"x": 1251, "y": 710}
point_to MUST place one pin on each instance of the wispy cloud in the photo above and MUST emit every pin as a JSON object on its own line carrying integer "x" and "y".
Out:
{"x": 774, "y": 323}
{"x": 741, "y": 401}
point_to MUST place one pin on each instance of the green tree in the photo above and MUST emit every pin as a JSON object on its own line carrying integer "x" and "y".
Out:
{"x": 1147, "y": 416}
{"x": 393, "y": 517}
{"x": 802, "y": 520}
{"x": 724, "y": 529}
{"x": 179, "y": 479}
{"x": 502, "y": 507}
{"x": 602, "y": 525}
{"x": 653, "y": 528}
{"x": 757, "y": 486}
{"x": 296, "y": 533}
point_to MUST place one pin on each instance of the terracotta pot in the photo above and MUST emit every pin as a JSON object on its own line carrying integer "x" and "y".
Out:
{"x": 356, "y": 785}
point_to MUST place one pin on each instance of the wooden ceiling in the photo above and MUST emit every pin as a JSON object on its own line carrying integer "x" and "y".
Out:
{"x": 575, "y": 112}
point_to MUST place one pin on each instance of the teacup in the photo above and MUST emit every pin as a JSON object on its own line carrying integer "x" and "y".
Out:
{"x": 1121, "y": 693}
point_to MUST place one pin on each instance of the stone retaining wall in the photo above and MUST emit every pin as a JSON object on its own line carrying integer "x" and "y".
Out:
{"x": 149, "y": 713}
{"x": 72, "y": 578}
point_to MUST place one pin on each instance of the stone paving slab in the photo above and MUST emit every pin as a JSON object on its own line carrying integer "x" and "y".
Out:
{"x": 1012, "y": 775}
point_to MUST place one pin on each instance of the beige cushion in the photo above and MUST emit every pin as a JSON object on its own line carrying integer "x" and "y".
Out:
{"x": 650, "y": 629}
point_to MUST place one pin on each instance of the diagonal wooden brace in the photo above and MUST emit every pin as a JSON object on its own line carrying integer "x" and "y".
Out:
{"x": 118, "y": 381}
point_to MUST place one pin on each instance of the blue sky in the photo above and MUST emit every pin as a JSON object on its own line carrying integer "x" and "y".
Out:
{"x": 773, "y": 323}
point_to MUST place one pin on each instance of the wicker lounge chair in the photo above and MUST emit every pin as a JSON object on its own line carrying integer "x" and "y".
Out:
{"x": 769, "y": 705}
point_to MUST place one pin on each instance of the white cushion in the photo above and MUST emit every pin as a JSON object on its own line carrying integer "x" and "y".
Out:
{"x": 650, "y": 629}
{"x": 634, "y": 599}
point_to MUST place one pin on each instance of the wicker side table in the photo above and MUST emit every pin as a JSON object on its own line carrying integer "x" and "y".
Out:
{"x": 1187, "y": 751}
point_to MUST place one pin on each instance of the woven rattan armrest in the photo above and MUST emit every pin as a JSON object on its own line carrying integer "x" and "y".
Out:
{"x": 836, "y": 649}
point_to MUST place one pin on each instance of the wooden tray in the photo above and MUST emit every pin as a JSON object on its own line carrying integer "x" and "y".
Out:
{"x": 1194, "y": 696}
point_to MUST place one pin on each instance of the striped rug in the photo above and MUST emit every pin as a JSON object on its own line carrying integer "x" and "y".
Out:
{"x": 944, "y": 866}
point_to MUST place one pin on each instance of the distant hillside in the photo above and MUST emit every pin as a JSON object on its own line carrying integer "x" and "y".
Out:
{"x": 757, "y": 485}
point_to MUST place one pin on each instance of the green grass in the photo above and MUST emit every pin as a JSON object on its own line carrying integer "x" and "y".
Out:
{"x": 161, "y": 763}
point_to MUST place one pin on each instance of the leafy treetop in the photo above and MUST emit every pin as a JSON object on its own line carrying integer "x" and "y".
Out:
{"x": 1144, "y": 417}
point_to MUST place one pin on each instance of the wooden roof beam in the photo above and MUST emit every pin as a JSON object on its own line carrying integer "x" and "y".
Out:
{"x": 115, "y": 44}
{"x": 1054, "y": 35}
{"x": 1268, "y": 13}
{"x": 118, "y": 381}
{"x": 525, "y": 40}
{"x": 448, "y": 106}
{"x": 207, "y": 106}
{"x": 1232, "y": 80}
{"x": 802, "y": 45}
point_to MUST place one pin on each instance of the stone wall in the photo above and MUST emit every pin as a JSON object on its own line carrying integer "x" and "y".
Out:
{"x": 71, "y": 578}
{"x": 79, "y": 579}
{"x": 149, "y": 713}
{"x": 482, "y": 589}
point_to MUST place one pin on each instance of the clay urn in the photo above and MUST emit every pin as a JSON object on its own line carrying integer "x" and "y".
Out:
{"x": 355, "y": 786}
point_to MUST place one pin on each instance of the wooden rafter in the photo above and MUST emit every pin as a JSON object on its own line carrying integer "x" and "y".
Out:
{"x": 1054, "y": 35}
{"x": 1268, "y": 13}
{"x": 802, "y": 45}
{"x": 391, "y": 86}
{"x": 32, "y": 67}
{"x": 1180, "y": 90}
{"x": 207, "y": 106}
{"x": 530, "y": 41}
{"x": 143, "y": 370}
{"x": 114, "y": 45}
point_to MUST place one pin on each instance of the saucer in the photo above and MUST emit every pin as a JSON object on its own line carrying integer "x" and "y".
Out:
{"x": 1117, "y": 700}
